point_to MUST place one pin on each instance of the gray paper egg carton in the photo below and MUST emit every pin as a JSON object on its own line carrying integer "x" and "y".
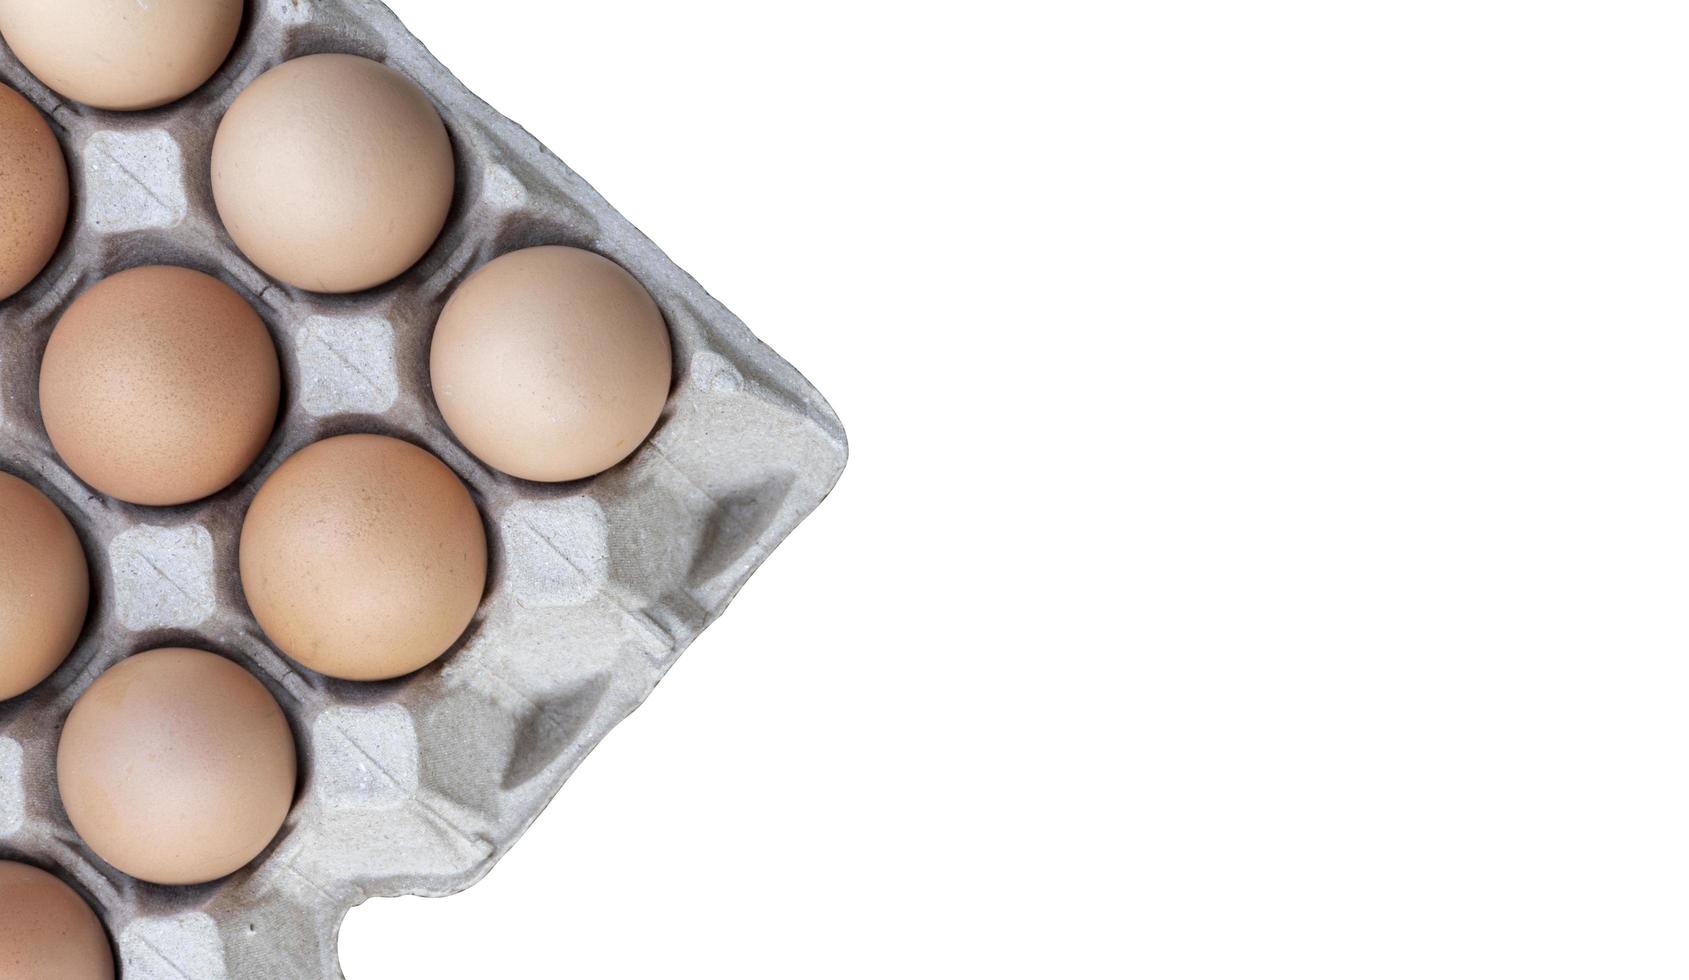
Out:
{"x": 415, "y": 786}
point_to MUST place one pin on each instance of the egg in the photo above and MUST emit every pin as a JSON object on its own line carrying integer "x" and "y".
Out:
{"x": 43, "y": 587}
{"x": 177, "y": 766}
{"x": 551, "y": 363}
{"x": 121, "y": 55}
{"x": 159, "y": 386}
{"x": 333, "y": 173}
{"x": 47, "y": 932}
{"x": 363, "y": 557}
{"x": 34, "y": 192}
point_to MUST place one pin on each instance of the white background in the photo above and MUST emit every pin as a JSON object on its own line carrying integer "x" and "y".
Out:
{"x": 1265, "y": 547}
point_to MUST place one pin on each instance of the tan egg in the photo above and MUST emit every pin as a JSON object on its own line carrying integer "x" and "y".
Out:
{"x": 177, "y": 766}
{"x": 159, "y": 386}
{"x": 551, "y": 363}
{"x": 47, "y": 932}
{"x": 333, "y": 173}
{"x": 363, "y": 557}
{"x": 43, "y": 587}
{"x": 34, "y": 192}
{"x": 121, "y": 55}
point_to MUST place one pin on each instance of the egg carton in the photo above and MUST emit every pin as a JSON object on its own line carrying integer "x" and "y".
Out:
{"x": 415, "y": 786}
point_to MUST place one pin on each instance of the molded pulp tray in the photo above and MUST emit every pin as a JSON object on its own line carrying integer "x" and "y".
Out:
{"x": 415, "y": 786}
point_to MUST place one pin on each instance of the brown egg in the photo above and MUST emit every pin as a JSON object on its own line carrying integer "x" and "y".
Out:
{"x": 177, "y": 766}
{"x": 333, "y": 173}
{"x": 160, "y": 385}
{"x": 129, "y": 55}
{"x": 363, "y": 557}
{"x": 551, "y": 363}
{"x": 34, "y": 192}
{"x": 47, "y": 932}
{"x": 43, "y": 587}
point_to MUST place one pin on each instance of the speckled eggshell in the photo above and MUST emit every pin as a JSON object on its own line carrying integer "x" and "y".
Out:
{"x": 34, "y": 192}
{"x": 47, "y": 932}
{"x": 121, "y": 54}
{"x": 363, "y": 557}
{"x": 551, "y": 363}
{"x": 159, "y": 386}
{"x": 177, "y": 766}
{"x": 43, "y": 587}
{"x": 333, "y": 173}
